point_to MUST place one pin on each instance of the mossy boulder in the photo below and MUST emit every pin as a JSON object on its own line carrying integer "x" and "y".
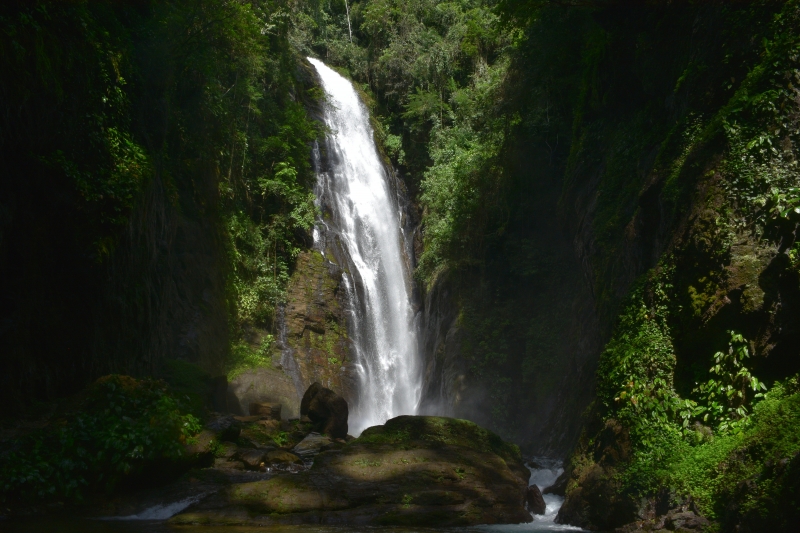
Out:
{"x": 414, "y": 470}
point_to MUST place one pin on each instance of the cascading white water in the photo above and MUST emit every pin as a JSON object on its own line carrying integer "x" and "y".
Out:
{"x": 365, "y": 218}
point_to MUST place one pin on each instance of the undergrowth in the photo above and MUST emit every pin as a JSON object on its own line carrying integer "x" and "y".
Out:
{"x": 121, "y": 428}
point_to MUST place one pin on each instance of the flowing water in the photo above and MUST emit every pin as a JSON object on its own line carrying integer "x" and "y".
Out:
{"x": 362, "y": 218}
{"x": 542, "y": 477}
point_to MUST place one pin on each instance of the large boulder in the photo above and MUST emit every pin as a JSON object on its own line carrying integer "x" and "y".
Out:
{"x": 327, "y": 411}
{"x": 534, "y": 500}
{"x": 559, "y": 487}
{"x": 412, "y": 471}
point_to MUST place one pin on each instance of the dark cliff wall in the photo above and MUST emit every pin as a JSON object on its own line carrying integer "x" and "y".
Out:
{"x": 156, "y": 186}
{"x": 678, "y": 191}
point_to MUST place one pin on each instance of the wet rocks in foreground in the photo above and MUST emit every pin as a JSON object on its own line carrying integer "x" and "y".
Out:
{"x": 414, "y": 470}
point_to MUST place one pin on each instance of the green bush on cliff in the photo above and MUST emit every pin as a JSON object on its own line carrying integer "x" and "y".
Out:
{"x": 751, "y": 468}
{"x": 636, "y": 387}
{"x": 122, "y": 427}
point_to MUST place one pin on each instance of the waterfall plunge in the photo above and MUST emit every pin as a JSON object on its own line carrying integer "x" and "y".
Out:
{"x": 366, "y": 220}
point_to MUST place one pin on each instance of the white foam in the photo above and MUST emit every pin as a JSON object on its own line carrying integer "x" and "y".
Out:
{"x": 365, "y": 220}
{"x": 161, "y": 511}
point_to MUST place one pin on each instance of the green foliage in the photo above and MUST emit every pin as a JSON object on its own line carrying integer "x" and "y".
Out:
{"x": 636, "y": 387}
{"x": 711, "y": 473}
{"x": 122, "y": 427}
{"x": 763, "y": 132}
{"x": 162, "y": 150}
{"x": 724, "y": 400}
{"x": 245, "y": 357}
{"x": 463, "y": 182}
{"x": 282, "y": 438}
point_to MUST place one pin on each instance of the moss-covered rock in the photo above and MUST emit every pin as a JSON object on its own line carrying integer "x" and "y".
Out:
{"x": 412, "y": 471}
{"x": 316, "y": 328}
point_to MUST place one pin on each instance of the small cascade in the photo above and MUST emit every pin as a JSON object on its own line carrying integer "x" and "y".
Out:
{"x": 543, "y": 475}
{"x": 361, "y": 222}
{"x": 161, "y": 511}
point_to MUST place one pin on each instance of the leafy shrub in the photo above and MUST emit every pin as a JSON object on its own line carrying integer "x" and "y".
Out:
{"x": 713, "y": 474}
{"x": 123, "y": 426}
{"x": 724, "y": 400}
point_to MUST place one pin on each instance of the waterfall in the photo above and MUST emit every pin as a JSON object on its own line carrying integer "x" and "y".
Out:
{"x": 362, "y": 220}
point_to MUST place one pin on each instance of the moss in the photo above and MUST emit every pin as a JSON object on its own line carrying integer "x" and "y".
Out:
{"x": 246, "y": 356}
{"x": 406, "y": 430}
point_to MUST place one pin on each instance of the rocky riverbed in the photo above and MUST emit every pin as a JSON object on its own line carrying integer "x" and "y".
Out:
{"x": 416, "y": 470}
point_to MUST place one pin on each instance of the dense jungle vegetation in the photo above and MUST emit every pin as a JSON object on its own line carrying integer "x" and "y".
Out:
{"x": 609, "y": 189}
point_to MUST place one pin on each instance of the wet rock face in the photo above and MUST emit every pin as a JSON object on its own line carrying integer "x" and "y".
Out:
{"x": 559, "y": 488}
{"x": 534, "y": 501}
{"x": 327, "y": 411}
{"x": 316, "y": 327}
{"x": 593, "y": 498}
{"x": 412, "y": 471}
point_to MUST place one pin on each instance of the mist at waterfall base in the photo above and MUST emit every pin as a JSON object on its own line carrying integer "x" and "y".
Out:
{"x": 361, "y": 218}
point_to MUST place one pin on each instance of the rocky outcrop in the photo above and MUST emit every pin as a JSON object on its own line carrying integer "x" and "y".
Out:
{"x": 412, "y": 471}
{"x": 314, "y": 344}
{"x": 510, "y": 352}
{"x": 677, "y": 520}
{"x": 315, "y": 335}
{"x": 534, "y": 501}
{"x": 263, "y": 385}
{"x": 327, "y": 411}
{"x": 559, "y": 487}
{"x": 593, "y": 499}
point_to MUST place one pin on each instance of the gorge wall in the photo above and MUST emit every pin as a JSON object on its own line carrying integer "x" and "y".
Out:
{"x": 156, "y": 188}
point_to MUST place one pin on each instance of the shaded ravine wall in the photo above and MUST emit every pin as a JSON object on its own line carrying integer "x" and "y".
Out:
{"x": 119, "y": 127}
{"x": 515, "y": 350}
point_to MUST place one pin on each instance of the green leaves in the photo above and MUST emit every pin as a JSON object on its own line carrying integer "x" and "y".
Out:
{"x": 122, "y": 426}
{"x": 725, "y": 400}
